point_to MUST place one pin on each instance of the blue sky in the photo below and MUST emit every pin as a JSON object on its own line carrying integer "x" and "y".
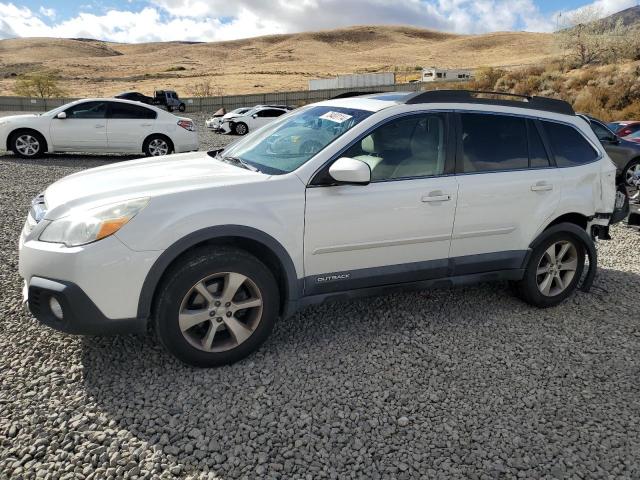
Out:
{"x": 210, "y": 20}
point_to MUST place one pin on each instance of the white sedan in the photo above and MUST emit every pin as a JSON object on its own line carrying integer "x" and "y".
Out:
{"x": 98, "y": 125}
{"x": 215, "y": 122}
{"x": 252, "y": 119}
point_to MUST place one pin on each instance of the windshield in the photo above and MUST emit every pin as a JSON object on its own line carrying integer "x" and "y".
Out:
{"x": 293, "y": 139}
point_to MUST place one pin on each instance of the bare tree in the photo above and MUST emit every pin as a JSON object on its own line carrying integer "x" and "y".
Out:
{"x": 206, "y": 88}
{"x": 41, "y": 85}
{"x": 589, "y": 40}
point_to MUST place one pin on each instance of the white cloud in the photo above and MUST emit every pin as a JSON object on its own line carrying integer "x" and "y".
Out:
{"x": 47, "y": 12}
{"x": 210, "y": 20}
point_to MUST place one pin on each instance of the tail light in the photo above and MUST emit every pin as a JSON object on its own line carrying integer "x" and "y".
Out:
{"x": 187, "y": 125}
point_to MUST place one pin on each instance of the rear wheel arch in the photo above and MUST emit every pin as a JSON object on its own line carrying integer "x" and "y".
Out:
{"x": 261, "y": 245}
{"x": 575, "y": 218}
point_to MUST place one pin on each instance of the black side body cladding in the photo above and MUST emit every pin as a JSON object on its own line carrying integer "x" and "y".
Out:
{"x": 212, "y": 233}
{"x": 81, "y": 316}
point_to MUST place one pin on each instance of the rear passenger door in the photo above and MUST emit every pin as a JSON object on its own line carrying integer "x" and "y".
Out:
{"x": 508, "y": 188}
{"x": 128, "y": 125}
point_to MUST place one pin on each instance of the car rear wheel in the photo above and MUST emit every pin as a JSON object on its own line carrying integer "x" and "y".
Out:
{"x": 241, "y": 128}
{"x": 157, "y": 146}
{"x": 182, "y": 107}
{"x": 216, "y": 307}
{"x": 553, "y": 272}
{"x": 28, "y": 144}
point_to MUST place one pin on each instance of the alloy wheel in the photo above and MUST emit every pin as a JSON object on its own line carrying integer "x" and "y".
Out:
{"x": 158, "y": 147}
{"x": 220, "y": 312}
{"x": 630, "y": 173}
{"x": 557, "y": 268}
{"x": 241, "y": 129}
{"x": 27, "y": 145}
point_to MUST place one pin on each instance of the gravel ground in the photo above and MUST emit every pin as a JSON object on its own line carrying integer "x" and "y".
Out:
{"x": 464, "y": 383}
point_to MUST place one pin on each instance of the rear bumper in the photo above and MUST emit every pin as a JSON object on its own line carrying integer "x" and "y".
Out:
{"x": 79, "y": 314}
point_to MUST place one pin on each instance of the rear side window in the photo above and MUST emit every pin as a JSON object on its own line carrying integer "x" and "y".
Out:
{"x": 270, "y": 112}
{"x": 493, "y": 143}
{"x": 538, "y": 157}
{"x": 125, "y": 110}
{"x": 569, "y": 147}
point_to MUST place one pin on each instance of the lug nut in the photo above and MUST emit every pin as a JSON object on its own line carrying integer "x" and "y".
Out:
{"x": 229, "y": 314}
{"x": 217, "y": 304}
{"x": 219, "y": 319}
{"x": 228, "y": 304}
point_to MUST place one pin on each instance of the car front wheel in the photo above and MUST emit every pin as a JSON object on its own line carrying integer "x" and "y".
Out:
{"x": 241, "y": 128}
{"x": 553, "y": 272}
{"x": 216, "y": 307}
{"x": 630, "y": 171}
{"x": 28, "y": 144}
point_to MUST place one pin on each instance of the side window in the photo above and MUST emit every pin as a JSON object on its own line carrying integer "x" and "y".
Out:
{"x": 602, "y": 132}
{"x": 270, "y": 113}
{"x": 493, "y": 143}
{"x": 125, "y": 110}
{"x": 407, "y": 147}
{"x": 87, "y": 110}
{"x": 569, "y": 147}
{"x": 538, "y": 157}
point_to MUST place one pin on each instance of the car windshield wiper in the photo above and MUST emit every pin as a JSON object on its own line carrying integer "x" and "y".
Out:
{"x": 238, "y": 162}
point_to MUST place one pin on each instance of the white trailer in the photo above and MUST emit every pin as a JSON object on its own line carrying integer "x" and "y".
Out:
{"x": 354, "y": 81}
{"x": 433, "y": 74}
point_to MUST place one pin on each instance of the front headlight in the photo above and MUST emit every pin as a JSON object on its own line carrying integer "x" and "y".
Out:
{"x": 88, "y": 226}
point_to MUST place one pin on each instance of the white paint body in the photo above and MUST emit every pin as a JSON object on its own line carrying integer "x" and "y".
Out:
{"x": 101, "y": 135}
{"x": 253, "y": 119}
{"x": 322, "y": 229}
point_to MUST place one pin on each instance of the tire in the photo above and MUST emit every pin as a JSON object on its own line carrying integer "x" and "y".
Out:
{"x": 240, "y": 128}
{"x": 233, "y": 333}
{"x": 28, "y": 144}
{"x": 546, "y": 289}
{"x": 169, "y": 109}
{"x": 157, "y": 146}
{"x": 627, "y": 174}
{"x": 182, "y": 107}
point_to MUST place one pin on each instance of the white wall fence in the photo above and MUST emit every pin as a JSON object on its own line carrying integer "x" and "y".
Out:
{"x": 211, "y": 104}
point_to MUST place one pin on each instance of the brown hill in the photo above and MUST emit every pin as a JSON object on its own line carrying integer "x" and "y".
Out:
{"x": 262, "y": 64}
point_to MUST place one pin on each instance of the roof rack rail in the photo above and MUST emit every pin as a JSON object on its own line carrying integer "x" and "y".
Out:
{"x": 353, "y": 94}
{"x": 467, "y": 96}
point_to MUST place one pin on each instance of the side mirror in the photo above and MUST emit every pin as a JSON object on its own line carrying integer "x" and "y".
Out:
{"x": 62, "y": 115}
{"x": 255, "y": 115}
{"x": 349, "y": 171}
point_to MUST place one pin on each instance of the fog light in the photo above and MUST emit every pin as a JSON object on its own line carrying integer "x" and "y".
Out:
{"x": 56, "y": 308}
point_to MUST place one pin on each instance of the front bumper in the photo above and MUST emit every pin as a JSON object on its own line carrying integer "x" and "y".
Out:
{"x": 79, "y": 314}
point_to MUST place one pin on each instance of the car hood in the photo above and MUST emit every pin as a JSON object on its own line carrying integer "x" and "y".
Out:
{"x": 149, "y": 177}
{"x": 12, "y": 118}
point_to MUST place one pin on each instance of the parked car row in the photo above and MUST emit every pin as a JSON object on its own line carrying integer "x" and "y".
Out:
{"x": 244, "y": 120}
{"x": 99, "y": 125}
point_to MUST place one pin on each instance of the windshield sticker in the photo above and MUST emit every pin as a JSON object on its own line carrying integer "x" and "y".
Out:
{"x": 336, "y": 117}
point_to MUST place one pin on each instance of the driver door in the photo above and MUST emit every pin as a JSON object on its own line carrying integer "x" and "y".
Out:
{"x": 84, "y": 128}
{"x": 395, "y": 229}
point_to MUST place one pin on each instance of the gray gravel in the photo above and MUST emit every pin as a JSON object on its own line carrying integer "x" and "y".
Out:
{"x": 465, "y": 383}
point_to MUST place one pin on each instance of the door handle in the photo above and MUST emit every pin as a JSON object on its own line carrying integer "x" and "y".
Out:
{"x": 436, "y": 196}
{"x": 146, "y": 125}
{"x": 541, "y": 187}
{"x": 99, "y": 126}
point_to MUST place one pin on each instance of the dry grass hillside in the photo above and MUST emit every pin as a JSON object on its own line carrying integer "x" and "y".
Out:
{"x": 263, "y": 64}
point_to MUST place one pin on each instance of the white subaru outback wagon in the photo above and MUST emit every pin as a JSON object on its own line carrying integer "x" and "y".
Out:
{"x": 340, "y": 198}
